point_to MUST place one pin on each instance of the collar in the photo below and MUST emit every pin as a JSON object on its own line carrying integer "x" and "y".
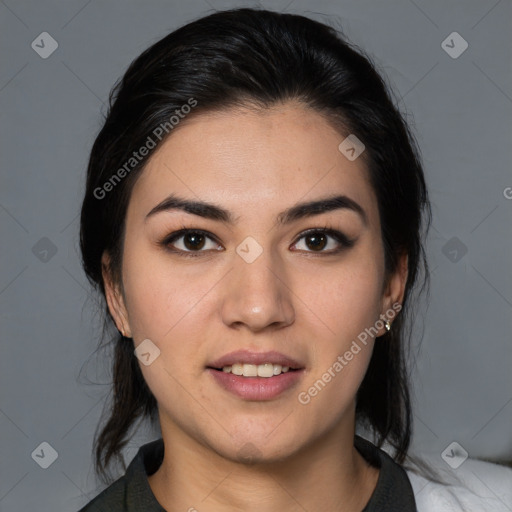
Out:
{"x": 393, "y": 492}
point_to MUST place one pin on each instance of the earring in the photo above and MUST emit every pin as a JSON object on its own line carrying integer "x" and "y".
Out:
{"x": 388, "y": 326}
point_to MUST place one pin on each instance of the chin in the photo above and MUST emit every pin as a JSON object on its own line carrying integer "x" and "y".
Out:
{"x": 258, "y": 448}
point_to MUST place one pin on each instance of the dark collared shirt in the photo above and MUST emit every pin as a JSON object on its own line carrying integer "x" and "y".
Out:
{"x": 132, "y": 492}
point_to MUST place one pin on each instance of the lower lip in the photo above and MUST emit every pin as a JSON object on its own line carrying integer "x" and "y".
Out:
{"x": 256, "y": 388}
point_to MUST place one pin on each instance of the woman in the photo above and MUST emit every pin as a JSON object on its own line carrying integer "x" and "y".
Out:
{"x": 253, "y": 216}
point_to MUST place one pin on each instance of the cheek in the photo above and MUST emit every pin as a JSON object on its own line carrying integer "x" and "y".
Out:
{"x": 168, "y": 307}
{"x": 356, "y": 300}
{"x": 345, "y": 309}
{"x": 157, "y": 296}
{"x": 347, "y": 298}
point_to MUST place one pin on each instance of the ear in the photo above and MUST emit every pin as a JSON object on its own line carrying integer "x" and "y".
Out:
{"x": 394, "y": 289}
{"x": 115, "y": 299}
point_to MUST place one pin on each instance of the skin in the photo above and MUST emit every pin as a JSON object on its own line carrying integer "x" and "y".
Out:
{"x": 307, "y": 304}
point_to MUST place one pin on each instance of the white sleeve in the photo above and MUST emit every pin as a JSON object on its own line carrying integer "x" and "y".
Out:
{"x": 482, "y": 487}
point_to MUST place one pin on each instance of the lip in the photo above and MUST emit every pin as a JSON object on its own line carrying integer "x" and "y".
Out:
{"x": 256, "y": 388}
{"x": 249, "y": 357}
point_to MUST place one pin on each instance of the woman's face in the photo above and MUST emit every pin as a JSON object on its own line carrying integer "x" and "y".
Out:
{"x": 258, "y": 277}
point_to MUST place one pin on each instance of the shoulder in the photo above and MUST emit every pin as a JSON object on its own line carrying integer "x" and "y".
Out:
{"x": 131, "y": 492}
{"x": 474, "y": 487}
{"x": 112, "y": 499}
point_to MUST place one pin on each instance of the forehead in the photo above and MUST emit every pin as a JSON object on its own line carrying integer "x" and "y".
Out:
{"x": 244, "y": 159}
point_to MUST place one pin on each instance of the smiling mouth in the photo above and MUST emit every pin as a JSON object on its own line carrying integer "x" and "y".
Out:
{"x": 265, "y": 370}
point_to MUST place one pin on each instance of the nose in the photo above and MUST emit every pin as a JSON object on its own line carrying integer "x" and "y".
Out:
{"x": 257, "y": 294}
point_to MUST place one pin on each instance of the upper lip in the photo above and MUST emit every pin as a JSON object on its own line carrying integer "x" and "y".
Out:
{"x": 248, "y": 357}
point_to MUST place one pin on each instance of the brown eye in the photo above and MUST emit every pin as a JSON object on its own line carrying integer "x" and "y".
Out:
{"x": 189, "y": 241}
{"x": 316, "y": 240}
{"x": 193, "y": 241}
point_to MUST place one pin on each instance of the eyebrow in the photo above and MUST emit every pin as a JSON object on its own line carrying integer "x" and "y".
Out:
{"x": 292, "y": 214}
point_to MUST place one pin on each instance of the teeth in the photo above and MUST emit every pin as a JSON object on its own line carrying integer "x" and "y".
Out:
{"x": 237, "y": 369}
{"x": 266, "y": 370}
{"x": 256, "y": 370}
{"x": 250, "y": 370}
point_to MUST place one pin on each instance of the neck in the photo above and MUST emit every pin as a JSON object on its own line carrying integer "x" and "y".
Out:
{"x": 329, "y": 474}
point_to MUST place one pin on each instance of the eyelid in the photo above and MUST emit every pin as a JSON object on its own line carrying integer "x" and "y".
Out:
{"x": 344, "y": 241}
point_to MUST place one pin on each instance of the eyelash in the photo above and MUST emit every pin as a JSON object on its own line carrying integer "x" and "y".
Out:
{"x": 342, "y": 239}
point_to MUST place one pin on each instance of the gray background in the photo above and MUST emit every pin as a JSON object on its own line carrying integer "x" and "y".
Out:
{"x": 50, "y": 115}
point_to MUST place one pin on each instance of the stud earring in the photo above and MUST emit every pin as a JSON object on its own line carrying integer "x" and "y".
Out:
{"x": 388, "y": 326}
